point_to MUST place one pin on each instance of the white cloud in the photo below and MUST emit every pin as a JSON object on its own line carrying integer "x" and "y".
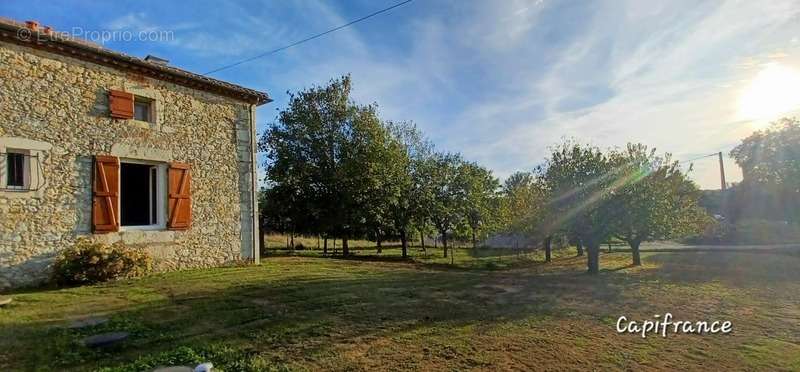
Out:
{"x": 667, "y": 69}
{"x": 502, "y": 81}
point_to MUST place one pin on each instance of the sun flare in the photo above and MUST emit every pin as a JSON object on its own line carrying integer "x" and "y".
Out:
{"x": 774, "y": 91}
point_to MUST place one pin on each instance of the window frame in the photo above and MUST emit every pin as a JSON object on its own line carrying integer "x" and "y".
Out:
{"x": 138, "y": 99}
{"x": 38, "y": 152}
{"x": 26, "y": 170}
{"x": 160, "y": 198}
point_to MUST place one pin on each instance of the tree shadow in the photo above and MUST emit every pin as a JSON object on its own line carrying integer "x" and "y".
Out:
{"x": 296, "y": 315}
{"x": 291, "y": 319}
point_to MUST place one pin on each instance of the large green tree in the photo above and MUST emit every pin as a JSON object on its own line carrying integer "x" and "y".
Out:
{"x": 330, "y": 153}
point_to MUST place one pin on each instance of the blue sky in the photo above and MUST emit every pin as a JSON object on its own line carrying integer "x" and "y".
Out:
{"x": 498, "y": 81}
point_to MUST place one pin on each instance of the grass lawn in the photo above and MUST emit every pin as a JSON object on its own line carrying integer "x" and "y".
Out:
{"x": 309, "y": 313}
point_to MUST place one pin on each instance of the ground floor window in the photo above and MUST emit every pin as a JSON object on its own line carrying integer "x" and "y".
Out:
{"x": 16, "y": 169}
{"x": 142, "y": 194}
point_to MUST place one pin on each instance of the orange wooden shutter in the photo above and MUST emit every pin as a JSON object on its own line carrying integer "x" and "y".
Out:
{"x": 121, "y": 104}
{"x": 180, "y": 196}
{"x": 105, "y": 194}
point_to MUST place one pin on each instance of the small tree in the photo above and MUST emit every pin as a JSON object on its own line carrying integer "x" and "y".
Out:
{"x": 581, "y": 181}
{"x": 526, "y": 197}
{"x": 448, "y": 194}
{"x": 414, "y": 192}
{"x": 480, "y": 198}
{"x": 654, "y": 199}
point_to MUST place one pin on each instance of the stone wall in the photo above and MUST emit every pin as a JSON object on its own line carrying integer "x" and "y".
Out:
{"x": 61, "y": 104}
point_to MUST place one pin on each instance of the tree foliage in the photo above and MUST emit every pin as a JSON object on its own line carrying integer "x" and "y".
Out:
{"x": 770, "y": 162}
{"x": 328, "y": 157}
{"x": 654, "y": 199}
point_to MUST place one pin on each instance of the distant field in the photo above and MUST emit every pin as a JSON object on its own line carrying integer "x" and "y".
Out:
{"x": 276, "y": 241}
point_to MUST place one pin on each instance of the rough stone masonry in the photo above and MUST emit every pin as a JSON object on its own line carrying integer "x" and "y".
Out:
{"x": 56, "y": 108}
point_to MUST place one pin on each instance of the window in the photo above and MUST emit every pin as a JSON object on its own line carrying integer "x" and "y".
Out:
{"x": 142, "y": 195}
{"x": 22, "y": 167}
{"x": 142, "y": 109}
{"x": 17, "y": 170}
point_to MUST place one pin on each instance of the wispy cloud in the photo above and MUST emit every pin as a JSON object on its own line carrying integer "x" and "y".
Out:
{"x": 501, "y": 81}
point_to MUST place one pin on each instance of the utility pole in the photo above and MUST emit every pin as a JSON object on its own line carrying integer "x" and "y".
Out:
{"x": 721, "y": 171}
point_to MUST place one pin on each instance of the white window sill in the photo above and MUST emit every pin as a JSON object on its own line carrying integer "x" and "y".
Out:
{"x": 142, "y": 228}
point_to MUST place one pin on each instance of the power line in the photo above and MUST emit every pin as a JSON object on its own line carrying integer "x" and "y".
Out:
{"x": 309, "y": 38}
{"x": 698, "y": 158}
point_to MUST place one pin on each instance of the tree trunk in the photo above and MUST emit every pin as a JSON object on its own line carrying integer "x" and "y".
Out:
{"x": 579, "y": 246}
{"x": 262, "y": 242}
{"x": 325, "y": 247}
{"x": 345, "y": 247}
{"x": 380, "y": 244}
{"x": 547, "y": 248}
{"x": 287, "y": 241}
{"x": 422, "y": 240}
{"x": 474, "y": 240}
{"x": 637, "y": 259}
{"x": 593, "y": 262}
{"x": 292, "y": 235}
{"x": 444, "y": 244}
{"x": 404, "y": 243}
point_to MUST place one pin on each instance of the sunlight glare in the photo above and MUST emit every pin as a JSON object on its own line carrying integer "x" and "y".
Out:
{"x": 773, "y": 92}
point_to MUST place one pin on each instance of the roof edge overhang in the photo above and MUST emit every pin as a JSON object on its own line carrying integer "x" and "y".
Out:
{"x": 12, "y": 32}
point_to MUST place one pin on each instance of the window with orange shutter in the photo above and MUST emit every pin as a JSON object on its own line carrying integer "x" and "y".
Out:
{"x": 179, "y": 197}
{"x": 120, "y": 104}
{"x": 105, "y": 194}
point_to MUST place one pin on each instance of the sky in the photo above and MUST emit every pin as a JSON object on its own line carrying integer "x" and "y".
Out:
{"x": 498, "y": 81}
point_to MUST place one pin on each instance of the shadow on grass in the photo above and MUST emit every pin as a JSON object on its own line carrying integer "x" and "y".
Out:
{"x": 268, "y": 317}
{"x": 278, "y": 321}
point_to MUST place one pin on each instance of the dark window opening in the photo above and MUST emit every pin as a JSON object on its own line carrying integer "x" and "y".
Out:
{"x": 141, "y": 109}
{"x": 138, "y": 190}
{"x": 16, "y": 169}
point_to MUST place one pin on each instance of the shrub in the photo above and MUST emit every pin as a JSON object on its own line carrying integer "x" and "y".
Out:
{"x": 87, "y": 262}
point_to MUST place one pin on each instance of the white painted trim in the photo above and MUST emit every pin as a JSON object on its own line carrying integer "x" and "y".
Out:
{"x": 161, "y": 195}
{"x": 254, "y": 177}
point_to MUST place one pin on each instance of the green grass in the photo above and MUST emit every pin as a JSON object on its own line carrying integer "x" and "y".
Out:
{"x": 377, "y": 313}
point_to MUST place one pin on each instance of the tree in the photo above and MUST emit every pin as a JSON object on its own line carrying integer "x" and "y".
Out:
{"x": 653, "y": 199}
{"x": 480, "y": 195}
{"x": 526, "y": 198}
{"x": 770, "y": 162}
{"x": 329, "y": 153}
{"x": 414, "y": 192}
{"x": 448, "y": 193}
{"x": 580, "y": 181}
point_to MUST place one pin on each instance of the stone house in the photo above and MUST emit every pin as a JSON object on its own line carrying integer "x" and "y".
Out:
{"x": 98, "y": 144}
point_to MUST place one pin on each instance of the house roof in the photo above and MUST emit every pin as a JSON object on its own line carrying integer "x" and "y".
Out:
{"x": 56, "y": 42}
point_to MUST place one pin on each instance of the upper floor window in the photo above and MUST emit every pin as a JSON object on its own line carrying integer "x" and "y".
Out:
{"x": 142, "y": 109}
